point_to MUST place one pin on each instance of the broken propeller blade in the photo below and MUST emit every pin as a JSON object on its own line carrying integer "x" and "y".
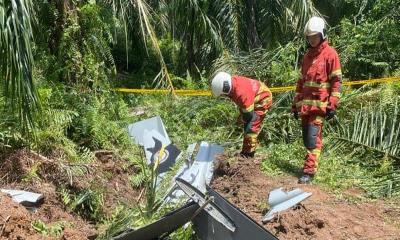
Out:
{"x": 212, "y": 209}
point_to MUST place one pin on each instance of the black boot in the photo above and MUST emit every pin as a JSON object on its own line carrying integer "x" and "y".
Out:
{"x": 247, "y": 154}
{"x": 306, "y": 178}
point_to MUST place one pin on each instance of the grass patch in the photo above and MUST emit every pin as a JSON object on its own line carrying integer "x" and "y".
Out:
{"x": 282, "y": 159}
{"x": 335, "y": 171}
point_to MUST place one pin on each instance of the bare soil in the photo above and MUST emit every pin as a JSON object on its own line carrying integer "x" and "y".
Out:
{"x": 321, "y": 216}
{"x": 107, "y": 173}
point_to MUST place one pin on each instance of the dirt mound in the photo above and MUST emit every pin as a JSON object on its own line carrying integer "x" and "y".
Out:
{"x": 300, "y": 221}
{"x": 15, "y": 221}
{"x": 27, "y": 170}
{"x": 322, "y": 216}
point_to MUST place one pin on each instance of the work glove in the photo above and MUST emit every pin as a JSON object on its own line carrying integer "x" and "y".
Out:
{"x": 296, "y": 115}
{"x": 248, "y": 119}
{"x": 330, "y": 114}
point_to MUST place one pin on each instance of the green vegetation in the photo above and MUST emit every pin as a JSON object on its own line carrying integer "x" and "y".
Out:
{"x": 61, "y": 60}
{"x": 54, "y": 230}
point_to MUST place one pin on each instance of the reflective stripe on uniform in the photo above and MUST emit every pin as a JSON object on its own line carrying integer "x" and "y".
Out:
{"x": 251, "y": 135}
{"x": 249, "y": 109}
{"x": 319, "y": 119}
{"x": 263, "y": 88}
{"x": 336, "y": 94}
{"x": 264, "y": 101}
{"x": 337, "y": 72}
{"x": 318, "y": 85}
{"x": 315, "y": 103}
{"x": 315, "y": 151}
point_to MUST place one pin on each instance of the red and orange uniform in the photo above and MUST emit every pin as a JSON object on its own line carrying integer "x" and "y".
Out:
{"x": 317, "y": 92}
{"x": 253, "y": 99}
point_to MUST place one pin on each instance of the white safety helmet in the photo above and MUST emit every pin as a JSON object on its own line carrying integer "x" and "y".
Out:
{"x": 314, "y": 26}
{"x": 221, "y": 84}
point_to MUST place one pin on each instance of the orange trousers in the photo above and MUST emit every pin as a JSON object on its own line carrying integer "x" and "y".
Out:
{"x": 312, "y": 138}
{"x": 250, "y": 141}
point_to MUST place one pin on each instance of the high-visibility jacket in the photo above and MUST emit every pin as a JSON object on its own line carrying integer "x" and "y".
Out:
{"x": 249, "y": 95}
{"x": 319, "y": 88}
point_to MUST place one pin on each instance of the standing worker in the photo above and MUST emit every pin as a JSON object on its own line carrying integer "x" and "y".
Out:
{"x": 253, "y": 99}
{"x": 317, "y": 92}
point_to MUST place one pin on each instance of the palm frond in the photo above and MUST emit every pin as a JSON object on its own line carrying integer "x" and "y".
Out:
{"x": 148, "y": 30}
{"x": 265, "y": 65}
{"x": 196, "y": 27}
{"x": 374, "y": 128}
{"x": 284, "y": 20}
{"x": 229, "y": 15}
{"x": 388, "y": 185}
{"x": 124, "y": 10}
{"x": 120, "y": 220}
{"x": 16, "y": 61}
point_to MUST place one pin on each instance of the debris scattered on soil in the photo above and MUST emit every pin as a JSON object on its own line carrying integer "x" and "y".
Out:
{"x": 25, "y": 198}
{"x": 322, "y": 216}
{"x": 280, "y": 200}
{"x": 107, "y": 173}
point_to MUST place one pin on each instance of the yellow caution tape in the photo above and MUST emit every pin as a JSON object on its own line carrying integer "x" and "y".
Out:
{"x": 193, "y": 92}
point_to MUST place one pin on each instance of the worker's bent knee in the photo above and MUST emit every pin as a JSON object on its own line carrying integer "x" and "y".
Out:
{"x": 310, "y": 134}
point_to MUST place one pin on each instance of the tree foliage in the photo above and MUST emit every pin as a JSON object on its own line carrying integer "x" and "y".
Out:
{"x": 16, "y": 60}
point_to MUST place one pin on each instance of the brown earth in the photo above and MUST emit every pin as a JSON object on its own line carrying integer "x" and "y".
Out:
{"x": 321, "y": 216}
{"x": 105, "y": 173}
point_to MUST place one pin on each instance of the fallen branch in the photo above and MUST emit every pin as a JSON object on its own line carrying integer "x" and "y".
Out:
{"x": 43, "y": 158}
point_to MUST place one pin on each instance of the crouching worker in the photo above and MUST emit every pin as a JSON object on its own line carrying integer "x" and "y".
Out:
{"x": 253, "y": 99}
{"x": 317, "y": 92}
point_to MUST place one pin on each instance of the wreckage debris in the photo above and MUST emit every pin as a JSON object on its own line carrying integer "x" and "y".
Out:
{"x": 213, "y": 217}
{"x": 167, "y": 161}
{"x": 163, "y": 227}
{"x": 206, "y": 227}
{"x": 197, "y": 172}
{"x": 279, "y": 201}
{"x": 27, "y": 199}
{"x": 151, "y": 134}
{"x": 206, "y": 203}
{"x": 139, "y": 130}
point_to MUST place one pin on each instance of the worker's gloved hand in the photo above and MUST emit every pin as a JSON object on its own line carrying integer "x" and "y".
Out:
{"x": 330, "y": 114}
{"x": 296, "y": 115}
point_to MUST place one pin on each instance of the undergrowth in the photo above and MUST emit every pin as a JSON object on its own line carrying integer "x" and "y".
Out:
{"x": 73, "y": 132}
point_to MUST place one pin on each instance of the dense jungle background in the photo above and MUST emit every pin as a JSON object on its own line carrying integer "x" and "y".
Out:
{"x": 63, "y": 130}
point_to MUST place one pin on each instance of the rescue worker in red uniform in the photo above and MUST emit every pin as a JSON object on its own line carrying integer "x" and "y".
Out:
{"x": 317, "y": 92}
{"x": 253, "y": 99}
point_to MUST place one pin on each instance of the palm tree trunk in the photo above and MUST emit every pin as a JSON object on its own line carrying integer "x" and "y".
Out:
{"x": 190, "y": 44}
{"x": 253, "y": 38}
{"x": 62, "y": 7}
